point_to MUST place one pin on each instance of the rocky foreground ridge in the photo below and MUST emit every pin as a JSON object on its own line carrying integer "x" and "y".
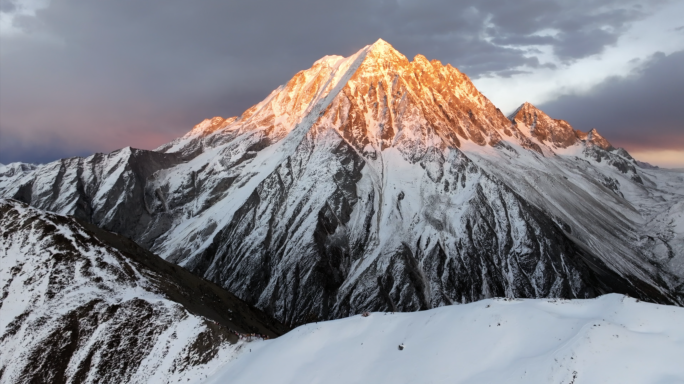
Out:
{"x": 82, "y": 305}
{"x": 377, "y": 183}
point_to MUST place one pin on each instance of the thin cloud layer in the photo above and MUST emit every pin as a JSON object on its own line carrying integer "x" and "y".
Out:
{"x": 83, "y": 76}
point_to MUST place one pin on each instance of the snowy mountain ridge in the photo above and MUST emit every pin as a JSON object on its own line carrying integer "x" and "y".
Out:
{"x": 377, "y": 183}
{"x": 82, "y": 305}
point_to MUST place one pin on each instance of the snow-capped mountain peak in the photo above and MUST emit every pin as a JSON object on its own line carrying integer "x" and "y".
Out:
{"x": 381, "y": 48}
{"x": 377, "y": 183}
{"x": 554, "y": 132}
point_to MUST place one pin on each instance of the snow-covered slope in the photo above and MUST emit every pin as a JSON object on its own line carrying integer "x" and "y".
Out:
{"x": 11, "y": 173}
{"x": 81, "y": 305}
{"x": 377, "y": 183}
{"x": 612, "y": 339}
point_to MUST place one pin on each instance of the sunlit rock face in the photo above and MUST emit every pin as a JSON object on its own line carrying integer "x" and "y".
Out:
{"x": 553, "y": 132}
{"x": 377, "y": 183}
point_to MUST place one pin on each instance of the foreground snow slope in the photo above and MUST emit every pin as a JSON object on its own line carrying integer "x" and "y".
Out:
{"x": 611, "y": 339}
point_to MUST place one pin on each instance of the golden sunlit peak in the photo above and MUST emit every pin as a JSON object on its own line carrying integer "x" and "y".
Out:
{"x": 381, "y": 46}
{"x": 381, "y": 42}
{"x": 382, "y": 52}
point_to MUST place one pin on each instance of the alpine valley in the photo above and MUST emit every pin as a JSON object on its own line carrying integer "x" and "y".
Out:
{"x": 373, "y": 183}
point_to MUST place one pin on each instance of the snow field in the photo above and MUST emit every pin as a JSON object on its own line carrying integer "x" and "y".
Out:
{"x": 612, "y": 339}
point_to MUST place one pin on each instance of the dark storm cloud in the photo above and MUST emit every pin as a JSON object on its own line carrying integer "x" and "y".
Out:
{"x": 7, "y": 6}
{"x": 641, "y": 111}
{"x": 98, "y": 75}
{"x": 574, "y": 29}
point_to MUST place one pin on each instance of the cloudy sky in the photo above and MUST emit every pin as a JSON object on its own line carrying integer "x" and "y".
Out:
{"x": 79, "y": 76}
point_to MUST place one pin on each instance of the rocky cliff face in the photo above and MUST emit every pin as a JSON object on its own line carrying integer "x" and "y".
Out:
{"x": 80, "y": 304}
{"x": 377, "y": 183}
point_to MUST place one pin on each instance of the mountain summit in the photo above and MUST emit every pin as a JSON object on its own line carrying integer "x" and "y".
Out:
{"x": 377, "y": 183}
{"x": 417, "y": 101}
